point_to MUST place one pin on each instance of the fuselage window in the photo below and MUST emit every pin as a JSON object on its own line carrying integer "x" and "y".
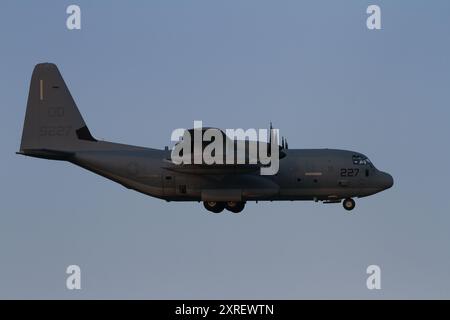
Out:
{"x": 367, "y": 172}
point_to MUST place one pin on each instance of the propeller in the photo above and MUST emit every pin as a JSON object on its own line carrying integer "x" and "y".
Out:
{"x": 284, "y": 143}
{"x": 270, "y": 133}
{"x": 269, "y": 147}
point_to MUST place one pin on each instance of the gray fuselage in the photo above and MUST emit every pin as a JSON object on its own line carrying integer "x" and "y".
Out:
{"x": 304, "y": 174}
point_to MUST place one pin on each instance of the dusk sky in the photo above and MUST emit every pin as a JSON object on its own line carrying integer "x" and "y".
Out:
{"x": 138, "y": 70}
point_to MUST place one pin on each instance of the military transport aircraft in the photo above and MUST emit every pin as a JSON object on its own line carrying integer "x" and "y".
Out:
{"x": 54, "y": 129}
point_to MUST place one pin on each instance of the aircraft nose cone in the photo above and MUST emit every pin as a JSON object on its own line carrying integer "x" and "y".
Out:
{"x": 388, "y": 181}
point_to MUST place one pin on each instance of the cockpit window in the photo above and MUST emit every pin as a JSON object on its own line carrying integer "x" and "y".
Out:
{"x": 360, "y": 160}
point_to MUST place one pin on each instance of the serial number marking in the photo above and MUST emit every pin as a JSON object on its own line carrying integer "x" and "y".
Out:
{"x": 54, "y": 131}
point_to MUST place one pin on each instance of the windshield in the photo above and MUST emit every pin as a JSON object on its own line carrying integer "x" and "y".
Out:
{"x": 360, "y": 160}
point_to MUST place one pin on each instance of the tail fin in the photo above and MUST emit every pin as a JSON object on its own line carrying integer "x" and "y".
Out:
{"x": 52, "y": 121}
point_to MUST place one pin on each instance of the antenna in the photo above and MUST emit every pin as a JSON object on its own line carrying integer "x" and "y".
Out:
{"x": 270, "y": 133}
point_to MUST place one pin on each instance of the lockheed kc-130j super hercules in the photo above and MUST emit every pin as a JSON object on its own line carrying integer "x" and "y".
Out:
{"x": 54, "y": 129}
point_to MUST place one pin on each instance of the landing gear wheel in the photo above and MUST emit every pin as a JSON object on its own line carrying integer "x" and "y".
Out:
{"x": 349, "y": 204}
{"x": 214, "y": 206}
{"x": 235, "y": 206}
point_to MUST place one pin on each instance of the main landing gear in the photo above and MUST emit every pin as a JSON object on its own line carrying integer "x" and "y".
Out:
{"x": 349, "y": 204}
{"x": 217, "y": 207}
{"x": 214, "y": 206}
{"x": 234, "y": 206}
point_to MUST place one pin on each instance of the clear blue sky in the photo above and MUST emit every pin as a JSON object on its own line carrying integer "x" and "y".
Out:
{"x": 140, "y": 69}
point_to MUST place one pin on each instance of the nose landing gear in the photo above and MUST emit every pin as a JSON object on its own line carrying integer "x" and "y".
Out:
{"x": 349, "y": 204}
